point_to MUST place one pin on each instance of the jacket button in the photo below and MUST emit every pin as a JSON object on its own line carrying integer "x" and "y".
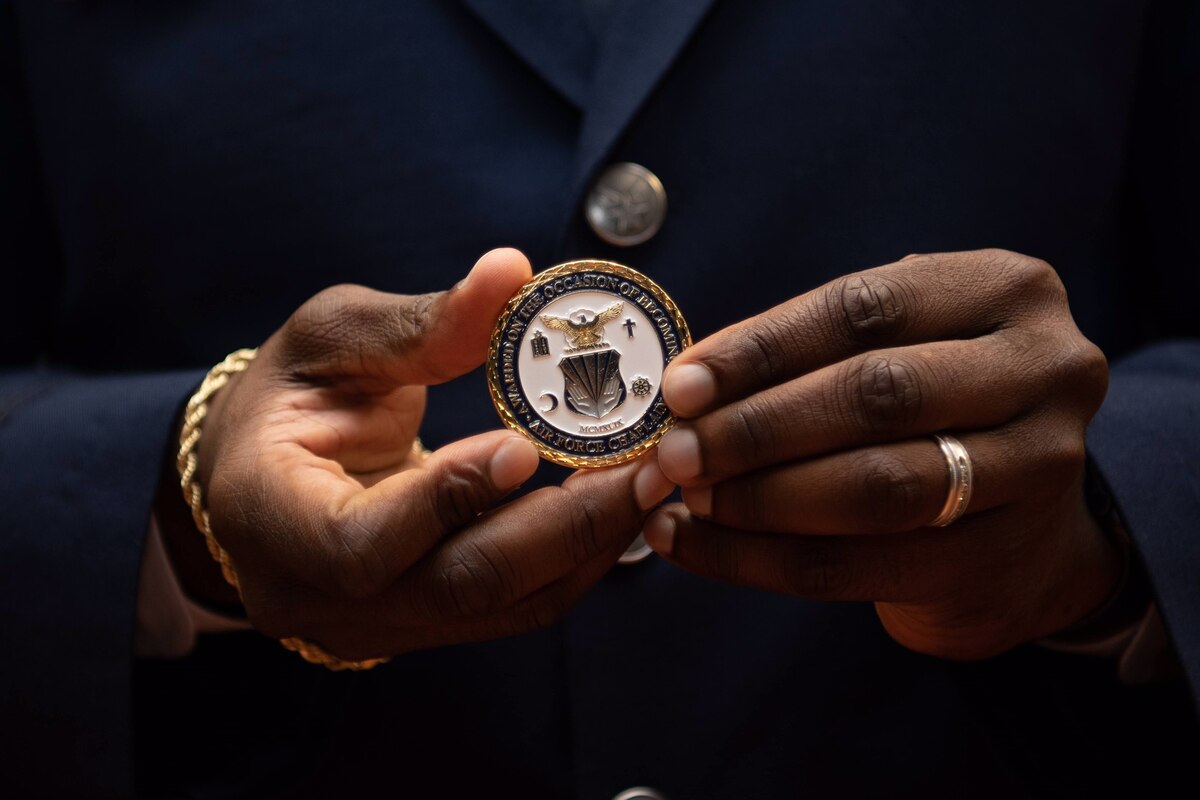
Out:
{"x": 640, "y": 793}
{"x": 627, "y": 204}
{"x": 638, "y": 551}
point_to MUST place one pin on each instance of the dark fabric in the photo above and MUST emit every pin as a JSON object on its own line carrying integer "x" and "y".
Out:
{"x": 68, "y": 577}
{"x": 598, "y": 14}
{"x": 179, "y": 176}
{"x": 1147, "y": 440}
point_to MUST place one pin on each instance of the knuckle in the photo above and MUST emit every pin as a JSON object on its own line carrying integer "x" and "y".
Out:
{"x": 587, "y": 524}
{"x": 1064, "y": 462}
{"x": 411, "y": 320}
{"x": 891, "y": 492}
{"x": 1026, "y": 274}
{"x": 461, "y": 493}
{"x": 1070, "y": 368}
{"x": 750, "y": 432}
{"x": 324, "y": 324}
{"x": 870, "y": 306}
{"x": 346, "y": 323}
{"x": 1083, "y": 366}
{"x": 1072, "y": 454}
{"x": 761, "y": 351}
{"x": 1040, "y": 274}
{"x": 321, "y": 307}
{"x": 404, "y": 326}
{"x": 357, "y": 567}
{"x": 325, "y": 309}
{"x": 755, "y": 431}
{"x": 889, "y": 394}
{"x": 474, "y": 583}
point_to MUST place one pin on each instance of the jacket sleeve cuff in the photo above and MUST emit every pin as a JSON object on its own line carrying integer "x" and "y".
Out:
{"x": 1144, "y": 441}
{"x": 80, "y": 460}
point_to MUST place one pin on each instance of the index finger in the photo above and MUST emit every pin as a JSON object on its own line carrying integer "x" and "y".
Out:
{"x": 920, "y": 298}
{"x": 516, "y": 550}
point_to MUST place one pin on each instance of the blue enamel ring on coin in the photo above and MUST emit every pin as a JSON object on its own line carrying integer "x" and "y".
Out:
{"x": 577, "y": 360}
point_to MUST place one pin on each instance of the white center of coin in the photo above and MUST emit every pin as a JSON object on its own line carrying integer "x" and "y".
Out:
{"x": 577, "y": 358}
{"x": 600, "y": 367}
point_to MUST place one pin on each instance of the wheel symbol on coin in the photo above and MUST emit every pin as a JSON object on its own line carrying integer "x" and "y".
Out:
{"x": 577, "y": 359}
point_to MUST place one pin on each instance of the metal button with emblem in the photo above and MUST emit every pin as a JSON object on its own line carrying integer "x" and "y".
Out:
{"x": 577, "y": 360}
{"x": 627, "y": 204}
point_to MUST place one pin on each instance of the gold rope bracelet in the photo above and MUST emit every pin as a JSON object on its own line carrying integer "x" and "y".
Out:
{"x": 189, "y": 438}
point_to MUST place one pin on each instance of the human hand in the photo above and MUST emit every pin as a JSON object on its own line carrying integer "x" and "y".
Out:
{"x": 342, "y": 535}
{"x": 808, "y": 465}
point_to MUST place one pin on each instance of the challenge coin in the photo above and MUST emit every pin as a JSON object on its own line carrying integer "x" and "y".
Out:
{"x": 577, "y": 360}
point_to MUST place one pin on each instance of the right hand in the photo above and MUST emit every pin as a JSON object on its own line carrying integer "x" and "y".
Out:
{"x": 342, "y": 536}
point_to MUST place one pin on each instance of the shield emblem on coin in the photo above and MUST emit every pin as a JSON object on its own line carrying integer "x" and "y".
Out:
{"x": 592, "y": 382}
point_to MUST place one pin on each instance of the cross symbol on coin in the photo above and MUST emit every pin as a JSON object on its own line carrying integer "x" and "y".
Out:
{"x": 629, "y": 326}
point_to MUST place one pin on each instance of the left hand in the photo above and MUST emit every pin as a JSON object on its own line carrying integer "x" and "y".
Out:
{"x": 808, "y": 466}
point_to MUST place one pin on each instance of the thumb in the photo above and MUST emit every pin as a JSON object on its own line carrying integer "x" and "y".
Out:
{"x": 459, "y": 323}
{"x": 405, "y": 339}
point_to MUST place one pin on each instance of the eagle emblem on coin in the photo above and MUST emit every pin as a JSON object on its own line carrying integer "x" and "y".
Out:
{"x": 577, "y": 359}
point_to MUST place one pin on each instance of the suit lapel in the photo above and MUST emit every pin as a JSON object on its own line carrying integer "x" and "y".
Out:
{"x": 609, "y": 82}
{"x": 640, "y": 47}
{"x": 550, "y": 35}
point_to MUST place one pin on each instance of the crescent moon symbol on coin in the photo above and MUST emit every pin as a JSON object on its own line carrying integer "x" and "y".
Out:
{"x": 553, "y": 402}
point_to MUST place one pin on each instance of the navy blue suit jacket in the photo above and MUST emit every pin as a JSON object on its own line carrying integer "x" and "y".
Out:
{"x": 176, "y": 177}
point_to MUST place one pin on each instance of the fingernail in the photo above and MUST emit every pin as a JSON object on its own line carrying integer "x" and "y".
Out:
{"x": 689, "y": 388}
{"x": 659, "y": 533}
{"x": 699, "y": 500}
{"x": 651, "y": 486}
{"x": 512, "y": 463}
{"x": 679, "y": 454}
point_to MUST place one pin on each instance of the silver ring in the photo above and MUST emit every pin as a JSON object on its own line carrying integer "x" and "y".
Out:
{"x": 962, "y": 480}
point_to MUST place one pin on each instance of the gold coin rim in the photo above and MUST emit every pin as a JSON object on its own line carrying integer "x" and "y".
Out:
{"x": 493, "y": 372}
